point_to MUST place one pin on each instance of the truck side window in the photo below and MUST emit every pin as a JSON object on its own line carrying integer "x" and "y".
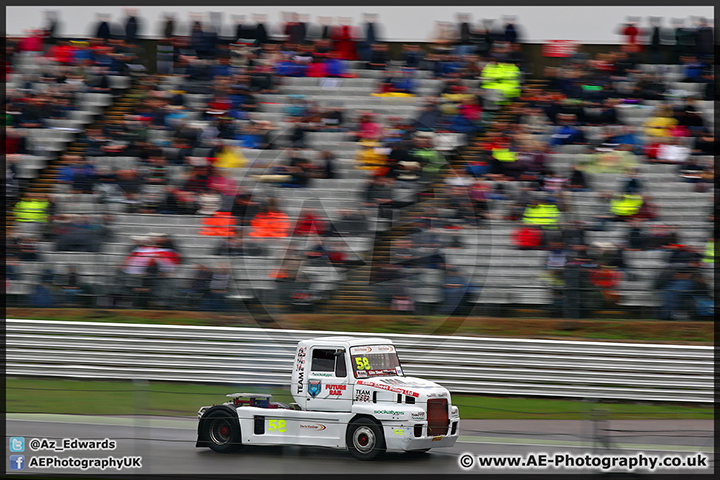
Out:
{"x": 323, "y": 361}
{"x": 340, "y": 370}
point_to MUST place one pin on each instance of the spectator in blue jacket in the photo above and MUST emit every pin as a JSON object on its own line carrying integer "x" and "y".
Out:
{"x": 568, "y": 133}
{"x": 412, "y": 56}
{"x": 251, "y": 137}
{"x": 428, "y": 118}
{"x": 43, "y": 295}
{"x": 692, "y": 68}
{"x": 222, "y": 67}
{"x": 335, "y": 66}
{"x": 627, "y": 136}
{"x": 402, "y": 82}
{"x": 450, "y": 65}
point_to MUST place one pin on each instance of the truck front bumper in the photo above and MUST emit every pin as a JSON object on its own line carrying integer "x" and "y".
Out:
{"x": 401, "y": 437}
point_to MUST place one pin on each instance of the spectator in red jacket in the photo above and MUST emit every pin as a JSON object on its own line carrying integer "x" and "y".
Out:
{"x": 368, "y": 128}
{"x": 648, "y": 210}
{"x": 309, "y": 223}
{"x": 631, "y": 33}
{"x": 32, "y": 43}
{"x": 316, "y": 68}
{"x": 471, "y": 108}
{"x": 344, "y": 39}
{"x": 527, "y": 238}
{"x": 63, "y": 52}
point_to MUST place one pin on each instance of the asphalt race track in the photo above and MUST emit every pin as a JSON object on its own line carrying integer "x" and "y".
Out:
{"x": 167, "y": 446}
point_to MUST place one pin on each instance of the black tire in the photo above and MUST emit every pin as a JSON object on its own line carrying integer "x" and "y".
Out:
{"x": 365, "y": 439}
{"x": 222, "y": 431}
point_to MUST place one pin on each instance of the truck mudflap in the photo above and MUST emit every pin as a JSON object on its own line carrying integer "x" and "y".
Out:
{"x": 402, "y": 437}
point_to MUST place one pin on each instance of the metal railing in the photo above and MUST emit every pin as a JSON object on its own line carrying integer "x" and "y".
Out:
{"x": 264, "y": 357}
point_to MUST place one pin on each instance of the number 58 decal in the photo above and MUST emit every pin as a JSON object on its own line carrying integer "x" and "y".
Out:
{"x": 362, "y": 363}
{"x": 276, "y": 426}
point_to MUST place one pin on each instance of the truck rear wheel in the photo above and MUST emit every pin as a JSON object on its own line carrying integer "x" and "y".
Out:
{"x": 222, "y": 432}
{"x": 365, "y": 439}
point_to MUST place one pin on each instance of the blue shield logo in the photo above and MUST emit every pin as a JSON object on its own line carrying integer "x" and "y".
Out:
{"x": 314, "y": 387}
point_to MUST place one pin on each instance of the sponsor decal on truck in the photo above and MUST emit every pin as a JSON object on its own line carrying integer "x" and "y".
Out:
{"x": 389, "y": 412}
{"x": 314, "y": 387}
{"x": 335, "y": 389}
{"x": 318, "y": 427}
{"x": 300, "y": 367}
{"x": 380, "y": 386}
{"x": 372, "y": 349}
{"x": 362, "y": 395}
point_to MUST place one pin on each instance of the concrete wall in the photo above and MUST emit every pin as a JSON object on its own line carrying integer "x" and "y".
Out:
{"x": 588, "y": 25}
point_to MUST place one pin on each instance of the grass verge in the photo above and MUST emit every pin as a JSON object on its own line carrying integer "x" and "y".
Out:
{"x": 630, "y": 330}
{"x": 89, "y": 397}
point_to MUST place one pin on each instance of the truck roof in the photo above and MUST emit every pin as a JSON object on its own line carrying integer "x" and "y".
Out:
{"x": 348, "y": 341}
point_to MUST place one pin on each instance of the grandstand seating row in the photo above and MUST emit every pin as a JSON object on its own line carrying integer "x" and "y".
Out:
{"x": 486, "y": 253}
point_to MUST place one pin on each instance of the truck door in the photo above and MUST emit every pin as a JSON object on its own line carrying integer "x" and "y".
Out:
{"x": 327, "y": 387}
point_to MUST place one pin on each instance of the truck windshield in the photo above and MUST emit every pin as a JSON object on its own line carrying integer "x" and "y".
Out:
{"x": 375, "y": 361}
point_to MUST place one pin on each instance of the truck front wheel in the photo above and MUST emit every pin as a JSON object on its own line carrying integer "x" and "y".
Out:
{"x": 365, "y": 439}
{"x": 222, "y": 432}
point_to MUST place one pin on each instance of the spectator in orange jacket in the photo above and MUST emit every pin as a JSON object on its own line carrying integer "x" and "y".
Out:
{"x": 270, "y": 222}
{"x": 607, "y": 279}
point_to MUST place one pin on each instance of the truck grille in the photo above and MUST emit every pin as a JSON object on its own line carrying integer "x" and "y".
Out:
{"x": 437, "y": 414}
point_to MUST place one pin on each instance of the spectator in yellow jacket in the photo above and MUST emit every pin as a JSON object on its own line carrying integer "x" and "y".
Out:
{"x": 659, "y": 125}
{"x": 371, "y": 156}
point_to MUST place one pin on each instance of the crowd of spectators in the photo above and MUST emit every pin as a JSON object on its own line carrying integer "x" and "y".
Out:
{"x": 187, "y": 148}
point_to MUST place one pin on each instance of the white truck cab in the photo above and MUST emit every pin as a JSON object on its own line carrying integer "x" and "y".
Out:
{"x": 350, "y": 393}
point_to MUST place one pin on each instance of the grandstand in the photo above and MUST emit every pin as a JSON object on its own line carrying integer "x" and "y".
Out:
{"x": 504, "y": 278}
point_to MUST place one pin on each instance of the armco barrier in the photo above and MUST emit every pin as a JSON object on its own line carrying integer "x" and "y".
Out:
{"x": 254, "y": 356}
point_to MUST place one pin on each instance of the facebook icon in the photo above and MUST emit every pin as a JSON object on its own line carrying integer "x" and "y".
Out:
{"x": 17, "y": 462}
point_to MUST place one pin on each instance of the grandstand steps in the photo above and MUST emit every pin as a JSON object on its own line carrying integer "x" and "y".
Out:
{"x": 356, "y": 294}
{"x": 47, "y": 177}
{"x": 353, "y": 295}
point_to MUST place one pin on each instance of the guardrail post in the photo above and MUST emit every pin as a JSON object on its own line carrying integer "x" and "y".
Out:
{"x": 599, "y": 417}
{"x": 141, "y": 396}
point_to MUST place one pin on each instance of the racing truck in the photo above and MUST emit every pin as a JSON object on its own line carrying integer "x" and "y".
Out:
{"x": 350, "y": 393}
